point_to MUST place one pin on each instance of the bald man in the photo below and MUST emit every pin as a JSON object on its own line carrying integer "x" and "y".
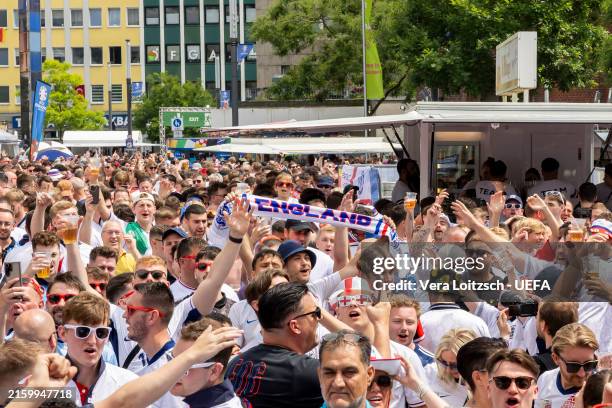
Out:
{"x": 113, "y": 237}
{"x": 38, "y": 326}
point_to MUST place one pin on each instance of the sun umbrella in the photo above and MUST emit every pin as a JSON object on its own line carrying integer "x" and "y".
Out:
{"x": 52, "y": 151}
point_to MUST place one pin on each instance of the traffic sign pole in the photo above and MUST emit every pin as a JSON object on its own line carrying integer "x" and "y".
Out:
{"x": 234, "y": 42}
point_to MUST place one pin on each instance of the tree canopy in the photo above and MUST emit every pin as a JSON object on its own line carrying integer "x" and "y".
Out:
{"x": 67, "y": 108}
{"x": 166, "y": 90}
{"x": 445, "y": 44}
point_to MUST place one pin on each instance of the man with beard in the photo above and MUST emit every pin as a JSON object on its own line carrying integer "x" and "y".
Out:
{"x": 573, "y": 350}
{"x": 7, "y": 225}
{"x": 195, "y": 221}
{"x": 15, "y": 298}
{"x": 85, "y": 331}
{"x": 512, "y": 383}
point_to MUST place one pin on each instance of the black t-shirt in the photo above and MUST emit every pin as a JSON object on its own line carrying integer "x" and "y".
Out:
{"x": 275, "y": 377}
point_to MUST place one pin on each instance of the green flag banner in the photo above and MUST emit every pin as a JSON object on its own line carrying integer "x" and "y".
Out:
{"x": 374, "y": 79}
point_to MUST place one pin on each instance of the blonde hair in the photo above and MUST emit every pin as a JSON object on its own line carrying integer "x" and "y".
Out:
{"x": 574, "y": 335}
{"x": 87, "y": 308}
{"x": 530, "y": 224}
{"x": 60, "y": 206}
{"x": 452, "y": 341}
{"x": 65, "y": 185}
{"x": 401, "y": 300}
{"x": 500, "y": 232}
{"x": 150, "y": 260}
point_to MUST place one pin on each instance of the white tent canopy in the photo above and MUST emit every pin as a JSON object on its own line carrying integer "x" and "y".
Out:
{"x": 302, "y": 145}
{"x": 99, "y": 138}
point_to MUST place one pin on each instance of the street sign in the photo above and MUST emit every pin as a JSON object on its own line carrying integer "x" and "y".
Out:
{"x": 16, "y": 122}
{"x": 177, "y": 133}
{"x": 129, "y": 143}
{"x": 224, "y": 100}
{"x": 190, "y": 119}
{"x": 137, "y": 90}
{"x": 243, "y": 51}
{"x": 177, "y": 123}
{"x": 516, "y": 63}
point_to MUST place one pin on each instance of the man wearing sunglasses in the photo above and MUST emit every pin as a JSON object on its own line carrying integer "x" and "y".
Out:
{"x": 512, "y": 379}
{"x": 573, "y": 350}
{"x": 512, "y": 207}
{"x": 186, "y": 254}
{"x": 86, "y": 332}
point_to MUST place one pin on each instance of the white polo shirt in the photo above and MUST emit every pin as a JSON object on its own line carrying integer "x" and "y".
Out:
{"x": 110, "y": 379}
{"x": 244, "y": 317}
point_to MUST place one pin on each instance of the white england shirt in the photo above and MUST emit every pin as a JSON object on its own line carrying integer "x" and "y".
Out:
{"x": 244, "y": 317}
{"x": 110, "y": 379}
{"x": 550, "y": 388}
{"x": 454, "y": 395}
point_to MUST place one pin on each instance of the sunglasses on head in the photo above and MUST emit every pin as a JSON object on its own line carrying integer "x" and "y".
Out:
{"x": 56, "y": 298}
{"x": 101, "y": 286}
{"x": 503, "y": 382}
{"x": 515, "y": 206}
{"x": 446, "y": 364}
{"x": 157, "y": 275}
{"x": 83, "y": 332}
{"x": 383, "y": 381}
{"x": 574, "y": 367}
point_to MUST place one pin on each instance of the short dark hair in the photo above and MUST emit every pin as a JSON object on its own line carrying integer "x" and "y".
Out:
{"x": 209, "y": 253}
{"x": 158, "y": 296}
{"x": 264, "y": 253}
{"x": 396, "y": 212}
{"x": 117, "y": 286}
{"x": 557, "y": 314}
{"x": 278, "y": 303}
{"x": 44, "y": 238}
{"x": 587, "y": 191}
{"x": 473, "y": 356}
{"x": 332, "y": 341}
{"x": 157, "y": 231}
{"x": 196, "y": 209}
{"x": 594, "y": 386}
{"x": 334, "y": 199}
{"x": 499, "y": 169}
{"x": 104, "y": 252}
{"x": 216, "y": 186}
{"x": 516, "y": 356}
{"x": 67, "y": 279}
{"x": 549, "y": 165}
{"x": 264, "y": 190}
{"x": 189, "y": 244}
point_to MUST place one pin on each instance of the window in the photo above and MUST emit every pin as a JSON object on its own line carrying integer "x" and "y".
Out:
{"x": 249, "y": 13}
{"x": 211, "y": 14}
{"x": 96, "y": 56}
{"x": 135, "y": 55}
{"x": 57, "y": 17}
{"x": 42, "y": 20}
{"x": 193, "y": 53}
{"x": 59, "y": 54}
{"x": 212, "y": 51}
{"x": 285, "y": 69}
{"x": 117, "y": 93}
{"x": 172, "y": 15}
{"x": 4, "y": 57}
{"x": 4, "y": 94}
{"x": 152, "y": 53}
{"x": 95, "y": 17}
{"x": 17, "y": 95}
{"x": 114, "y": 17}
{"x": 76, "y": 17}
{"x": 3, "y": 18}
{"x": 192, "y": 15}
{"x": 78, "y": 55}
{"x": 15, "y": 18}
{"x": 17, "y": 60}
{"x": 133, "y": 17}
{"x": 227, "y": 14}
{"x": 97, "y": 94}
{"x": 114, "y": 55}
{"x": 173, "y": 53}
{"x": 43, "y": 54}
{"x": 152, "y": 15}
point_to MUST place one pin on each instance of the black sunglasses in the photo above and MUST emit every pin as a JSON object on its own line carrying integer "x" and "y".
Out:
{"x": 142, "y": 274}
{"x": 383, "y": 381}
{"x": 503, "y": 382}
{"x": 573, "y": 367}
{"x": 316, "y": 313}
{"x": 450, "y": 366}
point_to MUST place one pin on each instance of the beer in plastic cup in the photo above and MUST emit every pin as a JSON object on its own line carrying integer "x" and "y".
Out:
{"x": 46, "y": 271}
{"x": 575, "y": 233}
{"x": 410, "y": 200}
{"x": 69, "y": 232}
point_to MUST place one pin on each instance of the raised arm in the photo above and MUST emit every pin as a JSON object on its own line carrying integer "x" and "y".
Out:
{"x": 43, "y": 201}
{"x": 206, "y": 294}
{"x": 341, "y": 241}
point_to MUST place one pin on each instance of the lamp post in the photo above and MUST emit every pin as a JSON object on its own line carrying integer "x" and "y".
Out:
{"x": 128, "y": 83}
{"x": 234, "y": 43}
{"x": 110, "y": 96}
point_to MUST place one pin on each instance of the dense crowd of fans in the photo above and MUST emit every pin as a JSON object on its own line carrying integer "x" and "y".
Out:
{"x": 148, "y": 281}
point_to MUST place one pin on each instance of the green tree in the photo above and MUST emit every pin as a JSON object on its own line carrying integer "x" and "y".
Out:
{"x": 166, "y": 90}
{"x": 67, "y": 108}
{"x": 446, "y": 44}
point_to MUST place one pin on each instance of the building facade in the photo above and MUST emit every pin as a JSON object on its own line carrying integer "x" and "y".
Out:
{"x": 165, "y": 35}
